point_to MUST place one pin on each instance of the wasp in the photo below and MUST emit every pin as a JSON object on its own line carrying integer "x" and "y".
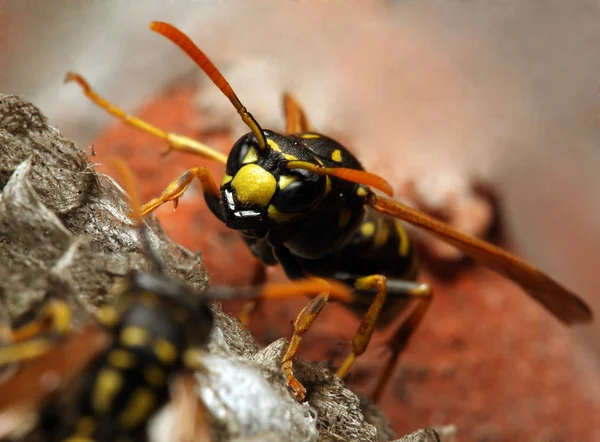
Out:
{"x": 126, "y": 361}
{"x": 303, "y": 201}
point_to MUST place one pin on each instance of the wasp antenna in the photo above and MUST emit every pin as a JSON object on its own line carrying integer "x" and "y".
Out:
{"x": 187, "y": 45}
{"x": 353, "y": 175}
{"x": 136, "y": 208}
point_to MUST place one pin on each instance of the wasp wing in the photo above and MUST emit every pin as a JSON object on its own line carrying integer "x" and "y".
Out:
{"x": 563, "y": 304}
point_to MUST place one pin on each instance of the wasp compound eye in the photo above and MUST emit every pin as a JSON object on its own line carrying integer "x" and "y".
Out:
{"x": 298, "y": 192}
{"x": 244, "y": 151}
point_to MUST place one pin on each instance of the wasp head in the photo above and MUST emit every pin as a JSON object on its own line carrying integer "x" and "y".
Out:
{"x": 259, "y": 191}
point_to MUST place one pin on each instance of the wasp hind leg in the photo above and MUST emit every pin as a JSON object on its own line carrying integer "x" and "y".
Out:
{"x": 386, "y": 288}
{"x": 422, "y": 295}
{"x": 295, "y": 118}
{"x": 174, "y": 141}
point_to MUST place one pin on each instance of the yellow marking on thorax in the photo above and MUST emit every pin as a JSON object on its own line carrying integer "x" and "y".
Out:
{"x": 226, "y": 179}
{"x": 133, "y": 336}
{"x": 254, "y": 185}
{"x": 344, "y": 217}
{"x": 383, "y": 231}
{"x": 154, "y": 376}
{"x": 286, "y": 180}
{"x": 85, "y": 427}
{"x": 278, "y": 216}
{"x": 251, "y": 156}
{"x": 361, "y": 192}
{"x": 310, "y": 136}
{"x": 273, "y": 145}
{"x": 192, "y": 358}
{"x": 289, "y": 157}
{"x": 121, "y": 359}
{"x": 138, "y": 410}
{"x": 165, "y": 350}
{"x": 403, "y": 240}
{"x": 107, "y": 386}
{"x": 367, "y": 229}
{"x": 336, "y": 156}
{"x": 108, "y": 315}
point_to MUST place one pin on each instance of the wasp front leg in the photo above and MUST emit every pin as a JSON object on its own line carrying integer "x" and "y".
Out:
{"x": 176, "y": 189}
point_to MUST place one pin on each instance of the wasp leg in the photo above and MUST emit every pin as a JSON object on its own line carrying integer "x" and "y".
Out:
{"x": 302, "y": 323}
{"x": 295, "y": 118}
{"x": 54, "y": 316}
{"x": 174, "y": 141}
{"x": 27, "y": 341}
{"x": 258, "y": 278}
{"x": 175, "y": 190}
{"x": 364, "y": 332}
{"x": 422, "y": 294}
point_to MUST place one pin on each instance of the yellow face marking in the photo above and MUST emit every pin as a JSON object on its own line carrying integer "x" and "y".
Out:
{"x": 251, "y": 156}
{"x": 140, "y": 405}
{"x": 286, "y": 180}
{"x": 154, "y": 376}
{"x": 336, "y": 156}
{"x": 85, "y": 426}
{"x": 367, "y": 229}
{"x": 226, "y": 179}
{"x": 165, "y": 350}
{"x": 279, "y": 216}
{"x": 361, "y": 191}
{"x": 108, "y": 383}
{"x": 273, "y": 145}
{"x": 254, "y": 185}
{"x": 309, "y": 136}
{"x": 133, "y": 336}
{"x": 289, "y": 157}
{"x": 402, "y": 238}
{"x": 121, "y": 359}
{"x": 344, "y": 217}
{"x": 383, "y": 231}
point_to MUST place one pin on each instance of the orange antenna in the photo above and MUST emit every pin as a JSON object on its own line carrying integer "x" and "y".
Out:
{"x": 353, "y": 175}
{"x": 200, "y": 58}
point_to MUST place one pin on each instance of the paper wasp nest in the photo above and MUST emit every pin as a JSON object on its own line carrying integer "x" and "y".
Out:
{"x": 64, "y": 231}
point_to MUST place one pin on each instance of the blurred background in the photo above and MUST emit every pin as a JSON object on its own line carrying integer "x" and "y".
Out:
{"x": 486, "y": 114}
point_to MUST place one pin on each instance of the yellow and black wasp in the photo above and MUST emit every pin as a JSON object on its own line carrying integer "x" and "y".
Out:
{"x": 302, "y": 200}
{"x": 124, "y": 363}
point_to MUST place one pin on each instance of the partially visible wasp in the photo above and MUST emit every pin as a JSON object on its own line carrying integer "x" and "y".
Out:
{"x": 304, "y": 201}
{"x": 126, "y": 362}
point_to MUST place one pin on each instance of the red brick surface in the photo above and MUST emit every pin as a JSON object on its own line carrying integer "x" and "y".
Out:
{"x": 486, "y": 358}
